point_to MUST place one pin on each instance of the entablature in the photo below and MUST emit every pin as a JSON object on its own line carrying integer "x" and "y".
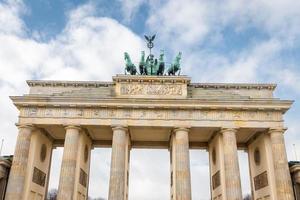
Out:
{"x": 250, "y": 104}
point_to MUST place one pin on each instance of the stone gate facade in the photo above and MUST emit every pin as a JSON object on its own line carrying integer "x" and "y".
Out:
{"x": 166, "y": 112}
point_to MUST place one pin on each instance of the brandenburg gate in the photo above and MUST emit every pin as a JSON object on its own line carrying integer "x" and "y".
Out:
{"x": 139, "y": 111}
{"x": 150, "y": 109}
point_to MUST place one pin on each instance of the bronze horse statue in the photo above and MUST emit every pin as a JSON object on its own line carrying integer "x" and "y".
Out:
{"x": 130, "y": 67}
{"x": 175, "y": 66}
{"x": 142, "y": 64}
{"x": 161, "y": 64}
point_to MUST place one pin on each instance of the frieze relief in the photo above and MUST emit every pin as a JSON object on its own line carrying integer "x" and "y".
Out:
{"x": 151, "y": 89}
{"x": 148, "y": 114}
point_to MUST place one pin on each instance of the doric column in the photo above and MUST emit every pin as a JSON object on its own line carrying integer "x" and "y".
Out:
{"x": 119, "y": 163}
{"x": 181, "y": 164}
{"x": 68, "y": 166}
{"x": 231, "y": 164}
{"x": 18, "y": 170}
{"x": 282, "y": 175}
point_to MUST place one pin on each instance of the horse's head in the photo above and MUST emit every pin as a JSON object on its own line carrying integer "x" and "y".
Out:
{"x": 161, "y": 55}
{"x": 143, "y": 54}
{"x": 178, "y": 57}
{"x": 126, "y": 56}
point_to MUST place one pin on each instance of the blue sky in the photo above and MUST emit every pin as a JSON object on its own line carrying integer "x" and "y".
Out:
{"x": 228, "y": 41}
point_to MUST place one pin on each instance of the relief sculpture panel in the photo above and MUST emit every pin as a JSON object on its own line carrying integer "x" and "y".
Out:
{"x": 153, "y": 90}
{"x": 149, "y": 114}
{"x": 39, "y": 177}
{"x": 261, "y": 180}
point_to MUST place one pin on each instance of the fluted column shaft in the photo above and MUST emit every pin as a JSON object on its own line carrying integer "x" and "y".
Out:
{"x": 68, "y": 166}
{"x": 282, "y": 174}
{"x": 181, "y": 164}
{"x": 117, "y": 182}
{"x": 16, "y": 182}
{"x": 231, "y": 163}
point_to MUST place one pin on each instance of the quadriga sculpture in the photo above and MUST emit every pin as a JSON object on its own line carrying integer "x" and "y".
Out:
{"x": 130, "y": 68}
{"x": 150, "y": 65}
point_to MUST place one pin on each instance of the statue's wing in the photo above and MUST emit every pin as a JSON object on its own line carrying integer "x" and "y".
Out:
{"x": 153, "y": 37}
{"x": 147, "y": 38}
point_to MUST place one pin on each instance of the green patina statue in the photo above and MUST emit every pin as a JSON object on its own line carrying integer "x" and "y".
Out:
{"x": 130, "y": 68}
{"x": 161, "y": 64}
{"x": 175, "y": 66}
{"x": 152, "y": 66}
{"x": 142, "y": 64}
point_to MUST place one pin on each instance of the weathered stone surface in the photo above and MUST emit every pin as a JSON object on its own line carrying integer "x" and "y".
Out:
{"x": 68, "y": 166}
{"x": 16, "y": 182}
{"x": 231, "y": 163}
{"x": 118, "y": 171}
{"x": 181, "y": 165}
{"x": 151, "y": 107}
{"x": 282, "y": 174}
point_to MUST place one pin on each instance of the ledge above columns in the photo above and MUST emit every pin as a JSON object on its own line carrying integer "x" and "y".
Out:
{"x": 72, "y": 126}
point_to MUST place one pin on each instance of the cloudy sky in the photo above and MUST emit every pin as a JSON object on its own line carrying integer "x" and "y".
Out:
{"x": 222, "y": 41}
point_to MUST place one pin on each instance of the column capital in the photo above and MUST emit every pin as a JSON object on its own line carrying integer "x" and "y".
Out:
{"x": 72, "y": 126}
{"x": 277, "y": 130}
{"x": 186, "y": 129}
{"x": 120, "y": 127}
{"x": 228, "y": 129}
{"x": 29, "y": 126}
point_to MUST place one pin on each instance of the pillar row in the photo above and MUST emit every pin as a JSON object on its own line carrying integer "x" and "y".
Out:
{"x": 180, "y": 164}
{"x": 231, "y": 164}
{"x": 282, "y": 174}
{"x": 16, "y": 182}
{"x": 118, "y": 183}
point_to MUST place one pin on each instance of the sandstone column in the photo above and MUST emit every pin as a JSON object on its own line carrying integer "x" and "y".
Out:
{"x": 181, "y": 165}
{"x": 232, "y": 171}
{"x": 18, "y": 171}
{"x": 119, "y": 163}
{"x": 282, "y": 175}
{"x": 68, "y": 167}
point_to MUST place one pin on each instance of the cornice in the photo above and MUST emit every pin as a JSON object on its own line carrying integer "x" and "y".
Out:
{"x": 249, "y": 104}
{"x": 153, "y": 79}
{"x": 172, "y": 79}
{"x": 89, "y": 84}
{"x": 263, "y": 86}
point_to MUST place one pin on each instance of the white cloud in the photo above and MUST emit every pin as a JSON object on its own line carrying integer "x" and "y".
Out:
{"x": 180, "y": 22}
{"x": 130, "y": 7}
{"x": 192, "y": 21}
{"x": 149, "y": 177}
{"x": 10, "y": 21}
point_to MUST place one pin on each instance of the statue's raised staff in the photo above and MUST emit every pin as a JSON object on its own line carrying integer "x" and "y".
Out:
{"x": 130, "y": 67}
{"x": 175, "y": 66}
